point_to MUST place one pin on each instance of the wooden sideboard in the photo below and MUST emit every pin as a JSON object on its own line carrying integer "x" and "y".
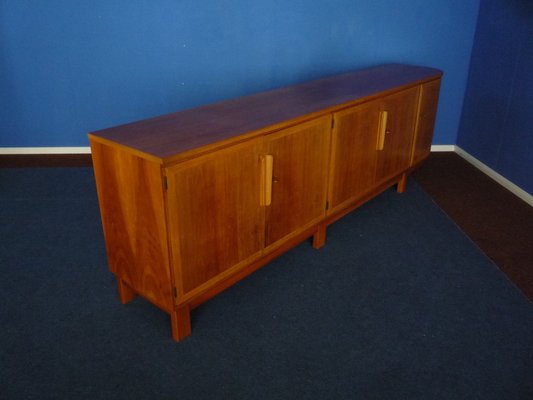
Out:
{"x": 193, "y": 201}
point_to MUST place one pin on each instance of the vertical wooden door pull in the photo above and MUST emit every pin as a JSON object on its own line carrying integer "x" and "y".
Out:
{"x": 382, "y": 128}
{"x": 265, "y": 195}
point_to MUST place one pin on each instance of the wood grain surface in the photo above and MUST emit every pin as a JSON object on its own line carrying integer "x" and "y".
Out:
{"x": 354, "y": 154}
{"x": 130, "y": 193}
{"x": 429, "y": 98}
{"x": 299, "y": 188}
{"x": 215, "y": 217}
{"x": 401, "y": 109}
{"x": 169, "y": 135}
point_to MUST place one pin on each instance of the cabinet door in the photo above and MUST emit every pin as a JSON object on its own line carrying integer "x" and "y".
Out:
{"x": 429, "y": 97}
{"x": 215, "y": 219}
{"x": 397, "y": 130}
{"x": 299, "y": 179}
{"x": 353, "y": 154}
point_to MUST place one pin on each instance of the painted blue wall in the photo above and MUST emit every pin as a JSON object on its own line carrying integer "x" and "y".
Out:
{"x": 69, "y": 67}
{"x": 497, "y": 121}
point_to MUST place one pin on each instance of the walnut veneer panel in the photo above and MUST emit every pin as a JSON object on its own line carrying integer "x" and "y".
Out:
{"x": 354, "y": 153}
{"x": 130, "y": 193}
{"x": 299, "y": 187}
{"x": 401, "y": 108}
{"x": 215, "y": 219}
{"x": 429, "y": 98}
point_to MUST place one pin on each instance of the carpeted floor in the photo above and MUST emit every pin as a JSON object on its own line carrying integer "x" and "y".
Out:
{"x": 399, "y": 304}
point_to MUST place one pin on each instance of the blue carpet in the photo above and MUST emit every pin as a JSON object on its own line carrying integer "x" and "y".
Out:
{"x": 399, "y": 304}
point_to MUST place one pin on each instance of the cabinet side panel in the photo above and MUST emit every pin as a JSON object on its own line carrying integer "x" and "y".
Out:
{"x": 429, "y": 98}
{"x": 130, "y": 193}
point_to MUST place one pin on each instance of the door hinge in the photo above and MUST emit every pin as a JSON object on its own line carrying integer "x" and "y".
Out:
{"x": 327, "y": 205}
{"x": 332, "y": 122}
{"x": 165, "y": 183}
{"x": 174, "y": 291}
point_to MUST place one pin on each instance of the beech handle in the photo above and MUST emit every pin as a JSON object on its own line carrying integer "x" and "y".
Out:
{"x": 382, "y": 129}
{"x": 265, "y": 194}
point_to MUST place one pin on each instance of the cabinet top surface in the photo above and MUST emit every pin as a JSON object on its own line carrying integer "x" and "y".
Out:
{"x": 165, "y": 136}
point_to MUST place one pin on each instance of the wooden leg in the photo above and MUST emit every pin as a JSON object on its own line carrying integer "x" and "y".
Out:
{"x": 181, "y": 322}
{"x": 125, "y": 293}
{"x": 319, "y": 238}
{"x": 402, "y": 184}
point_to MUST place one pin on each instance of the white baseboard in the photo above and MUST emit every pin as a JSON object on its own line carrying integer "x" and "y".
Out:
{"x": 87, "y": 150}
{"x": 435, "y": 148}
{"x": 506, "y": 183}
{"x": 45, "y": 150}
{"x": 442, "y": 147}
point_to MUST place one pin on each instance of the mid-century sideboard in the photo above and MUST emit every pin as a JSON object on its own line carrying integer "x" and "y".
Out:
{"x": 193, "y": 201}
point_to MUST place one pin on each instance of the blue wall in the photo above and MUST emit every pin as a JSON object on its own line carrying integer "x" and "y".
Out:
{"x": 69, "y": 67}
{"x": 497, "y": 122}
